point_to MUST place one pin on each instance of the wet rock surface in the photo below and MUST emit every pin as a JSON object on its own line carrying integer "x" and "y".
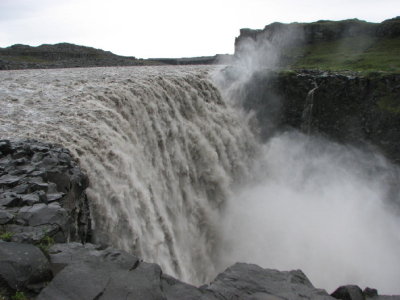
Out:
{"x": 42, "y": 193}
{"x": 350, "y": 108}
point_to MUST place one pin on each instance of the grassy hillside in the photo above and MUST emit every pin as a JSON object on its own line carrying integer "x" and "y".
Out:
{"x": 363, "y": 53}
{"x": 352, "y": 45}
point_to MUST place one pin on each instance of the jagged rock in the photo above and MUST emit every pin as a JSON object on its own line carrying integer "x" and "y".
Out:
{"x": 10, "y": 199}
{"x": 51, "y": 197}
{"x": 34, "y": 234}
{"x": 175, "y": 289}
{"x": 38, "y": 175}
{"x": 31, "y": 199}
{"x": 370, "y": 293}
{"x": 348, "y": 292}
{"x": 41, "y": 214}
{"x": 23, "y": 266}
{"x": 9, "y": 180}
{"x": 90, "y": 272}
{"x": 5, "y": 147}
{"x": 5, "y": 217}
{"x": 248, "y": 281}
{"x": 62, "y": 255}
{"x": 90, "y": 280}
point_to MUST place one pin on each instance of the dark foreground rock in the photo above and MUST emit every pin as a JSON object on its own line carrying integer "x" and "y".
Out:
{"x": 353, "y": 292}
{"x": 88, "y": 272}
{"x": 42, "y": 194}
{"x": 246, "y": 281}
{"x": 23, "y": 267}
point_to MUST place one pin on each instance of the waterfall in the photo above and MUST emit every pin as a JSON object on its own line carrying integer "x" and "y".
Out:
{"x": 161, "y": 148}
{"x": 177, "y": 177}
{"x": 306, "y": 116}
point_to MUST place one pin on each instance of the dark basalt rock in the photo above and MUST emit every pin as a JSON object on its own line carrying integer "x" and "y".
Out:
{"x": 248, "y": 281}
{"x": 88, "y": 272}
{"x": 5, "y": 217}
{"x": 348, "y": 292}
{"x": 23, "y": 267}
{"x": 348, "y": 108}
{"x": 42, "y": 187}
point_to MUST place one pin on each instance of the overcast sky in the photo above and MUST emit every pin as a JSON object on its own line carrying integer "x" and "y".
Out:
{"x": 167, "y": 28}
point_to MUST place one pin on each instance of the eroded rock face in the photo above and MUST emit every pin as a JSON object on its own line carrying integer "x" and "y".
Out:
{"x": 350, "y": 108}
{"x": 42, "y": 193}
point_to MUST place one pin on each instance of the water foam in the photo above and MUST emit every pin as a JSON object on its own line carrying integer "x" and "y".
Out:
{"x": 159, "y": 144}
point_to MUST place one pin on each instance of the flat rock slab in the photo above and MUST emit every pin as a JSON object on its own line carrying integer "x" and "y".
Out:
{"x": 40, "y": 214}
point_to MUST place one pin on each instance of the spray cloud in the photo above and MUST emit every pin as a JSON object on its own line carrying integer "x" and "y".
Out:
{"x": 326, "y": 208}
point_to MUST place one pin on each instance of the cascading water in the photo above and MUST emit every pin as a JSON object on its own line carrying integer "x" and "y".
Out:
{"x": 177, "y": 177}
{"x": 160, "y": 146}
{"x": 308, "y": 110}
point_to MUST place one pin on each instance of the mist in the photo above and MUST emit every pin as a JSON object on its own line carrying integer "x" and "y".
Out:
{"x": 320, "y": 207}
{"x": 329, "y": 209}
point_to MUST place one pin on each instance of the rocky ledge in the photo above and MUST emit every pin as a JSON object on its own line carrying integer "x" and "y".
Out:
{"x": 46, "y": 254}
{"x": 42, "y": 194}
{"x": 90, "y": 272}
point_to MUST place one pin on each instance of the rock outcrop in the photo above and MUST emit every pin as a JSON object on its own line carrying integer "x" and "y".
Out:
{"x": 23, "y": 267}
{"x": 92, "y": 273}
{"x": 322, "y": 30}
{"x": 42, "y": 194}
{"x": 348, "y": 107}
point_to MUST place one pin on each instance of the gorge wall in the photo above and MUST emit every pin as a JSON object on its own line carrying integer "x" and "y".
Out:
{"x": 350, "y": 108}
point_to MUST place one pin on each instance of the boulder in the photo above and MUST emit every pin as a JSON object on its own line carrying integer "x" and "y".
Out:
{"x": 90, "y": 272}
{"x": 34, "y": 234}
{"x": 248, "y": 281}
{"x": 5, "y": 217}
{"x": 23, "y": 266}
{"x": 348, "y": 292}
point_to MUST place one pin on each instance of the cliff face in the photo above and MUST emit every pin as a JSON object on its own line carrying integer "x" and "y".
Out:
{"x": 322, "y": 30}
{"x": 348, "y": 108}
{"x": 327, "y": 45}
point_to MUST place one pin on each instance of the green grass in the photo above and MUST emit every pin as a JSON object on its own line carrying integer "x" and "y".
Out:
{"x": 19, "y": 296}
{"x": 6, "y": 236}
{"x": 45, "y": 244}
{"x": 23, "y": 58}
{"x": 362, "y": 53}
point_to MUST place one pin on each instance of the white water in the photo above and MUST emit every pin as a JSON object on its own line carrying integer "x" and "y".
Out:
{"x": 160, "y": 146}
{"x": 169, "y": 165}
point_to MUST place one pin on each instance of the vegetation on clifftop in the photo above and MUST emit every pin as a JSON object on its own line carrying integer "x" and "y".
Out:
{"x": 362, "y": 53}
{"x": 349, "y": 45}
